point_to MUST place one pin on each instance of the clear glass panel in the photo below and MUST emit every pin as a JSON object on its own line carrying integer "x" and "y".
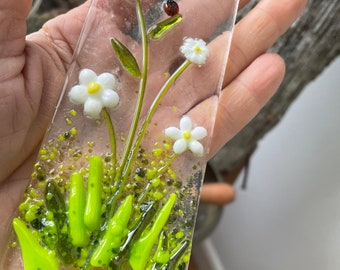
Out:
{"x": 117, "y": 180}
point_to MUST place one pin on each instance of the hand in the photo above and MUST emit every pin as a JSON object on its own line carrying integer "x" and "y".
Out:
{"x": 32, "y": 72}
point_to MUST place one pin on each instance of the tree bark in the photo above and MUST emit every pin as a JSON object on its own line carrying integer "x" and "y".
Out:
{"x": 308, "y": 47}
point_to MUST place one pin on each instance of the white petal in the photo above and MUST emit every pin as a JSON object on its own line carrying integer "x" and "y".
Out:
{"x": 199, "y": 133}
{"x": 185, "y": 124}
{"x": 110, "y": 98}
{"x": 107, "y": 80}
{"x": 196, "y": 147}
{"x": 185, "y": 49}
{"x": 201, "y": 43}
{"x": 173, "y": 132}
{"x": 187, "y": 46}
{"x": 199, "y": 59}
{"x": 188, "y": 49}
{"x": 180, "y": 146}
{"x": 92, "y": 108}
{"x": 78, "y": 94}
{"x": 86, "y": 76}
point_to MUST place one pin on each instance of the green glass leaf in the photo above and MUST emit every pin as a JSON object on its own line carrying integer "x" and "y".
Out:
{"x": 54, "y": 198}
{"x": 125, "y": 57}
{"x": 55, "y": 203}
{"x": 162, "y": 254}
{"x": 134, "y": 234}
{"x": 78, "y": 232}
{"x": 92, "y": 215}
{"x": 161, "y": 28}
{"x": 116, "y": 231}
{"x": 142, "y": 249}
{"x": 34, "y": 255}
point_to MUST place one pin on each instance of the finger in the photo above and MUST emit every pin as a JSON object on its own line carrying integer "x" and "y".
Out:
{"x": 242, "y": 99}
{"x": 258, "y": 30}
{"x": 253, "y": 35}
{"x": 12, "y": 60}
{"x": 12, "y": 37}
{"x": 62, "y": 32}
{"x": 217, "y": 193}
{"x": 13, "y": 27}
{"x": 99, "y": 21}
{"x": 11, "y": 192}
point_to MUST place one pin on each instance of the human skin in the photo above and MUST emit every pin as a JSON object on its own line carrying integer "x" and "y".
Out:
{"x": 33, "y": 70}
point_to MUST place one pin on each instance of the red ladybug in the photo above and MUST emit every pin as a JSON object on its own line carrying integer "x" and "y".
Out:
{"x": 170, "y": 7}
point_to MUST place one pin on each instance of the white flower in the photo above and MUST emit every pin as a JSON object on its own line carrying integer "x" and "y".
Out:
{"x": 195, "y": 50}
{"x": 186, "y": 137}
{"x": 95, "y": 92}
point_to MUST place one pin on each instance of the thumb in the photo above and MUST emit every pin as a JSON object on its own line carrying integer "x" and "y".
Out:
{"x": 13, "y": 27}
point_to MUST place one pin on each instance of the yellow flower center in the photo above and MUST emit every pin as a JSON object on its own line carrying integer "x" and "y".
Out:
{"x": 187, "y": 135}
{"x": 197, "y": 49}
{"x": 93, "y": 88}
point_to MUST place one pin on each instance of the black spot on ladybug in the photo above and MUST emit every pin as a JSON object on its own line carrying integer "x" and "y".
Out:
{"x": 170, "y": 7}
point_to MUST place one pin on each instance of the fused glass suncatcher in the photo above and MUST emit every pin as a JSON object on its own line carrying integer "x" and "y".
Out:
{"x": 117, "y": 180}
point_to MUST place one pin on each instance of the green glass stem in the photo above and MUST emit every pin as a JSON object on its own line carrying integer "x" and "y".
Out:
{"x": 142, "y": 86}
{"x": 166, "y": 164}
{"x": 151, "y": 112}
{"x": 112, "y": 135}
